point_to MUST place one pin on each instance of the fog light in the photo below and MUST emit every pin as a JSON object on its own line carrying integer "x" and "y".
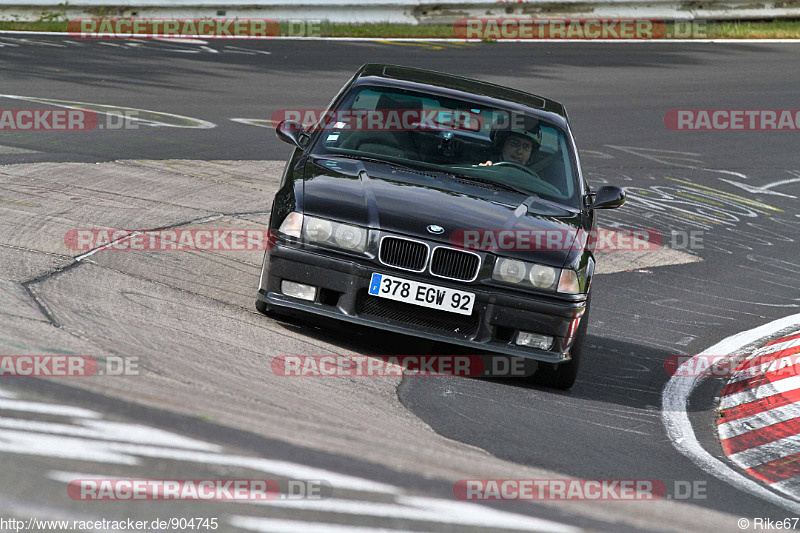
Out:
{"x": 534, "y": 340}
{"x": 298, "y": 290}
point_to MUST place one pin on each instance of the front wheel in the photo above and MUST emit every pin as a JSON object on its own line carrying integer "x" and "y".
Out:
{"x": 563, "y": 375}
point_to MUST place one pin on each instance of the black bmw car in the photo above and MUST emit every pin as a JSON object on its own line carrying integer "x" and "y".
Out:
{"x": 442, "y": 207}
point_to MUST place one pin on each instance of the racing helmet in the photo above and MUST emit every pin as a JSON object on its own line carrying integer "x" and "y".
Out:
{"x": 517, "y": 124}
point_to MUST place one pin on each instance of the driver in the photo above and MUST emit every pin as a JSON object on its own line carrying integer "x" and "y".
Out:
{"x": 515, "y": 145}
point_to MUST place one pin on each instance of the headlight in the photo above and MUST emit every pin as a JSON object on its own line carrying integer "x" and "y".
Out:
{"x": 317, "y": 229}
{"x": 509, "y": 270}
{"x": 542, "y": 277}
{"x": 526, "y": 274}
{"x": 327, "y": 232}
{"x": 350, "y": 237}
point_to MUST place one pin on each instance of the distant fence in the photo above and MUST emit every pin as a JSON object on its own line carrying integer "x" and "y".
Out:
{"x": 401, "y": 11}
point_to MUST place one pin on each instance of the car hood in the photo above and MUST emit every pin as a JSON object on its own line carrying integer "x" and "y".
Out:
{"x": 405, "y": 201}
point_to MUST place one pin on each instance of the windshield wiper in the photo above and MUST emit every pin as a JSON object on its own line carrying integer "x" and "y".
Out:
{"x": 382, "y": 161}
{"x": 493, "y": 183}
{"x": 434, "y": 172}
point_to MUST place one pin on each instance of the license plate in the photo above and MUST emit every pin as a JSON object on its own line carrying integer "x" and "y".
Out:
{"x": 423, "y": 294}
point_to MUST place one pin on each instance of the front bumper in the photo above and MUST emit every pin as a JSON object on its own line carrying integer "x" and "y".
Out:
{"x": 342, "y": 294}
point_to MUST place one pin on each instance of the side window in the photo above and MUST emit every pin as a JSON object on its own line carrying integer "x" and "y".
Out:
{"x": 569, "y": 177}
{"x": 553, "y": 161}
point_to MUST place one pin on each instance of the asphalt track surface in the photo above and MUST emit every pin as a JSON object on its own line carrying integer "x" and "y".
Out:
{"x": 204, "y": 351}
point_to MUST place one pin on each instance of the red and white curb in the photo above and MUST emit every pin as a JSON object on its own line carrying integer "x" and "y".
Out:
{"x": 759, "y": 408}
{"x": 756, "y": 404}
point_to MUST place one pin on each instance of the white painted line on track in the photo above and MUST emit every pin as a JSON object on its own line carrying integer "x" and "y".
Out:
{"x": 421, "y": 509}
{"x": 758, "y": 421}
{"x": 125, "y": 453}
{"x": 24, "y": 443}
{"x": 276, "y": 525}
{"x": 105, "y": 430}
{"x": 259, "y": 122}
{"x": 416, "y": 508}
{"x": 69, "y": 477}
{"x": 461, "y": 512}
{"x": 520, "y": 523}
{"x": 130, "y": 114}
{"x": 674, "y": 399}
{"x": 47, "y": 408}
{"x": 7, "y": 150}
{"x": 121, "y": 443}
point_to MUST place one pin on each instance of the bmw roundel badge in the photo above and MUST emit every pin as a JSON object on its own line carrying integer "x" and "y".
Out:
{"x": 433, "y": 228}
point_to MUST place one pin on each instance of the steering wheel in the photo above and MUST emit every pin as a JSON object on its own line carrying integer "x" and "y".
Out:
{"x": 518, "y": 167}
{"x": 547, "y": 185}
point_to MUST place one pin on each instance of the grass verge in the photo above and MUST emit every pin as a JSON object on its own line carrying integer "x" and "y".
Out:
{"x": 771, "y": 29}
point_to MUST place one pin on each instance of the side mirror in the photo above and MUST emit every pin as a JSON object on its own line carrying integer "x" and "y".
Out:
{"x": 608, "y": 197}
{"x": 292, "y": 132}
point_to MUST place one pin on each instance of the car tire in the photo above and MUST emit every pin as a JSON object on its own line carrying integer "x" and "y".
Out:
{"x": 563, "y": 376}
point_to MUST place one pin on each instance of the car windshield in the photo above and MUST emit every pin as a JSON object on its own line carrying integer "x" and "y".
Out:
{"x": 475, "y": 142}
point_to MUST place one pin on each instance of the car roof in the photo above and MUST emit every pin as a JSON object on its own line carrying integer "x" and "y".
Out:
{"x": 403, "y": 76}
